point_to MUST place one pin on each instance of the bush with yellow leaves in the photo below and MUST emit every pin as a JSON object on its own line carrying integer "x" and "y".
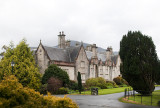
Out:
{"x": 14, "y": 95}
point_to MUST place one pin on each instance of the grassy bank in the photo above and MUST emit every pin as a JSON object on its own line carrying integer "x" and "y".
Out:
{"x": 146, "y": 100}
{"x": 102, "y": 91}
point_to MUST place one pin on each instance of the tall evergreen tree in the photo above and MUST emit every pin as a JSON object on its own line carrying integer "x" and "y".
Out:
{"x": 79, "y": 82}
{"x": 25, "y": 68}
{"x": 139, "y": 61}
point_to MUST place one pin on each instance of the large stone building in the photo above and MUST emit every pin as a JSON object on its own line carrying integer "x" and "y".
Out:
{"x": 73, "y": 59}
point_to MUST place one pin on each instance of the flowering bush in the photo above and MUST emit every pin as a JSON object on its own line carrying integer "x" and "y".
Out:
{"x": 13, "y": 94}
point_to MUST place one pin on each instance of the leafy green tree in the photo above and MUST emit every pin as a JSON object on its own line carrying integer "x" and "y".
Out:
{"x": 54, "y": 71}
{"x": 79, "y": 82}
{"x": 139, "y": 61}
{"x": 24, "y": 69}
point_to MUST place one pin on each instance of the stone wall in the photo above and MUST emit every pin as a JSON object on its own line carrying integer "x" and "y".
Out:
{"x": 69, "y": 70}
{"x": 82, "y": 65}
{"x": 42, "y": 59}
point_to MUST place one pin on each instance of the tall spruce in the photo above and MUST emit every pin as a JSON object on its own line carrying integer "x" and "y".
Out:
{"x": 24, "y": 69}
{"x": 79, "y": 82}
{"x": 139, "y": 61}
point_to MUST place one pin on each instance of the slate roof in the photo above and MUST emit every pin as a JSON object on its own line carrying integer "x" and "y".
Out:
{"x": 66, "y": 55}
{"x": 114, "y": 59}
{"x": 102, "y": 56}
{"x": 70, "y": 54}
{"x": 73, "y": 52}
{"x": 57, "y": 54}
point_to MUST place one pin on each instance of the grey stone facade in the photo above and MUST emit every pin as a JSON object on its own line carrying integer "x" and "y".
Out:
{"x": 73, "y": 59}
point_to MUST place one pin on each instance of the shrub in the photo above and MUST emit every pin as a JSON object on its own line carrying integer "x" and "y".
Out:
{"x": 102, "y": 86}
{"x": 91, "y": 82}
{"x": 116, "y": 86}
{"x": 58, "y": 102}
{"x": 53, "y": 85}
{"x": 73, "y": 85}
{"x": 123, "y": 85}
{"x": 43, "y": 89}
{"x": 113, "y": 83}
{"x": 13, "y": 94}
{"x": 99, "y": 82}
{"x": 120, "y": 81}
{"x": 63, "y": 90}
{"x": 109, "y": 87}
{"x": 125, "y": 82}
{"x": 54, "y": 71}
{"x": 109, "y": 84}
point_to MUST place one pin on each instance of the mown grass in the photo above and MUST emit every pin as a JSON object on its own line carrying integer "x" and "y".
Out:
{"x": 146, "y": 100}
{"x": 102, "y": 91}
{"x": 157, "y": 85}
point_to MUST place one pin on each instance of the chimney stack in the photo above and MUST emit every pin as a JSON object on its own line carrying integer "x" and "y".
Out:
{"x": 61, "y": 40}
{"x": 68, "y": 42}
{"x": 94, "y": 50}
{"x": 109, "y": 53}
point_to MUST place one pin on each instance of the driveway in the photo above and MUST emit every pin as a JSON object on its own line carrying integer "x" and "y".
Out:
{"x": 104, "y": 101}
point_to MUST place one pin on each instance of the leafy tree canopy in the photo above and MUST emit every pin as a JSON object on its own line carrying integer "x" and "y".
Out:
{"x": 24, "y": 69}
{"x": 139, "y": 61}
{"x": 54, "y": 71}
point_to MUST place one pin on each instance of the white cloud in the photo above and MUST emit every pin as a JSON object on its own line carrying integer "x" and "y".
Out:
{"x": 103, "y": 22}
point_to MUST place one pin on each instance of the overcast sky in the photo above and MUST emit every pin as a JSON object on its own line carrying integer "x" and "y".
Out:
{"x": 102, "y": 22}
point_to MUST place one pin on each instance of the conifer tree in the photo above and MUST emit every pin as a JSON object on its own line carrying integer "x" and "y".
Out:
{"x": 79, "y": 82}
{"x": 24, "y": 69}
{"x": 139, "y": 61}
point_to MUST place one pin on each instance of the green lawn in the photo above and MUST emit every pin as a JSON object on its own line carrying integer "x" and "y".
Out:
{"x": 103, "y": 91}
{"x": 146, "y": 100}
{"x": 157, "y": 85}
